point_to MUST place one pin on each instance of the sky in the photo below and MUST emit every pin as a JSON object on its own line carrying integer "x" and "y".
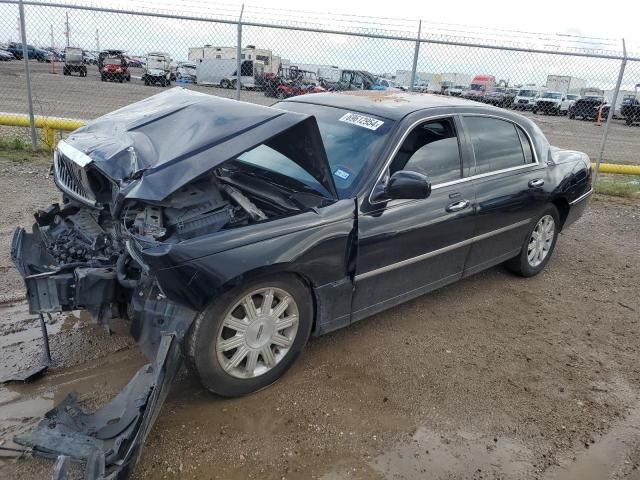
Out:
{"x": 544, "y": 24}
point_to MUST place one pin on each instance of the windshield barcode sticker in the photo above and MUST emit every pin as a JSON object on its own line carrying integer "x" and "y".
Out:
{"x": 361, "y": 121}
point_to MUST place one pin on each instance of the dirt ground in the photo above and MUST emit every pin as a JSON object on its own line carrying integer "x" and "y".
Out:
{"x": 496, "y": 377}
{"x": 75, "y": 97}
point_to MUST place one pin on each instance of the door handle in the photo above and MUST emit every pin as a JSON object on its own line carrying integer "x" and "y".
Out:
{"x": 536, "y": 182}
{"x": 457, "y": 206}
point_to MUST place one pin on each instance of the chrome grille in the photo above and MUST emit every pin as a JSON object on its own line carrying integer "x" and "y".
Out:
{"x": 71, "y": 178}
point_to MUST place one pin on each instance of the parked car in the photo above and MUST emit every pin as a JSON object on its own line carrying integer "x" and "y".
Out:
{"x": 114, "y": 67}
{"x": 569, "y": 99}
{"x": 500, "y": 97}
{"x": 456, "y": 90}
{"x": 239, "y": 230}
{"x": 587, "y": 107}
{"x": 90, "y": 58}
{"x": 33, "y": 53}
{"x": 630, "y": 109}
{"x": 157, "y": 69}
{"x": 352, "y": 80}
{"x": 186, "y": 72}
{"x": 549, "y": 102}
{"x": 58, "y": 55}
{"x": 526, "y": 98}
{"x": 74, "y": 62}
{"x": 6, "y": 56}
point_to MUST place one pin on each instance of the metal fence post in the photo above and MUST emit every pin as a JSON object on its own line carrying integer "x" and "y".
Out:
{"x": 416, "y": 52}
{"x": 25, "y": 59}
{"x": 612, "y": 109}
{"x": 239, "y": 55}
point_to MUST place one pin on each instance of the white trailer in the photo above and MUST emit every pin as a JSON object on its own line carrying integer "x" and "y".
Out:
{"x": 565, "y": 84}
{"x": 222, "y": 72}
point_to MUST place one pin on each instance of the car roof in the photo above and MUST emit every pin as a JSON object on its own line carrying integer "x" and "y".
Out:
{"x": 391, "y": 104}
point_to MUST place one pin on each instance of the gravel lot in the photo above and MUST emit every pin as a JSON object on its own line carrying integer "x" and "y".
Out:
{"x": 495, "y": 377}
{"x": 87, "y": 98}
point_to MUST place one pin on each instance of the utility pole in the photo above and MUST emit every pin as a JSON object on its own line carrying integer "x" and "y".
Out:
{"x": 51, "y": 28}
{"x": 97, "y": 40}
{"x": 67, "y": 28}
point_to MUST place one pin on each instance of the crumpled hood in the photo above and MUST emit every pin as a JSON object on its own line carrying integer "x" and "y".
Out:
{"x": 163, "y": 142}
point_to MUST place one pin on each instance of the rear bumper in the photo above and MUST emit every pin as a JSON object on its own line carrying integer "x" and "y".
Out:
{"x": 577, "y": 207}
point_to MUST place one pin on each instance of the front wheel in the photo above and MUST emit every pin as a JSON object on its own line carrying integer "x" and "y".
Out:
{"x": 538, "y": 245}
{"x": 224, "y": 83}
{"x": 250, "y": 335}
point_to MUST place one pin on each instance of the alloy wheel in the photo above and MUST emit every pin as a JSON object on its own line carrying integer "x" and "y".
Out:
{"x": 541, "y": 240}
{"x": 257, "y": 332}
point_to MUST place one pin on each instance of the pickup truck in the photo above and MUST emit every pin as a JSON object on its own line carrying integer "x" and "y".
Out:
{"x": 630, "y": 109}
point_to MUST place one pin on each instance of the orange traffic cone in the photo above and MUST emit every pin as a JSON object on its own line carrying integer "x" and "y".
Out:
{"x": 599, "y": 122}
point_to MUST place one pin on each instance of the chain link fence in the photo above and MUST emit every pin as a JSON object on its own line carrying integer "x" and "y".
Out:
{"x": 567, "y": 84}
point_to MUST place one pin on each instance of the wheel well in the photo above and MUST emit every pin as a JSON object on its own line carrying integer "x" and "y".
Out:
{"x": 266, "y": 272}
{"x": 563, "y": 209}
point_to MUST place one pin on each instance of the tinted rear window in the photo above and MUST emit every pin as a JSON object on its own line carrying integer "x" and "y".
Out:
{"x": 496, "y": 144}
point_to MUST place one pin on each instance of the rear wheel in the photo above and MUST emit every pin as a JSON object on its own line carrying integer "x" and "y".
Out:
{"x": 250, "y": 335}
{"x": 224, "y": 83}
{"x": 538, "y": 245}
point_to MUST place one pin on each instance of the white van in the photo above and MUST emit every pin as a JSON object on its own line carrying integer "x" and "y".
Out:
{"x": 222, "y": 72}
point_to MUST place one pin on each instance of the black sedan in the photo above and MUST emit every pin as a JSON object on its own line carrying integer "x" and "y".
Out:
{"x": 234, "y": 232}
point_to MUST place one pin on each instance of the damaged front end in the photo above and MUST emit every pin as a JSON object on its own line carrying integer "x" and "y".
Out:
{"x": 134, "y": 189}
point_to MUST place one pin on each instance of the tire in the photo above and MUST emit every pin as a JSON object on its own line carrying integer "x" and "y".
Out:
{"x": 522, "y": 264}
{"x": 534, "y": 111}
{"x": 280, "y": 94}
{"x": 205, "y": 357}
{"x": 146, "y": 82}
{"x": 572, "y": 115}
{"x": 102, "y": 78}
{"x": 628, "y": 120}
{"x": 224, "y": 83}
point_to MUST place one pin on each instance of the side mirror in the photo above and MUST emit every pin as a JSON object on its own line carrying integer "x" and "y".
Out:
{"x": 407, "y": 185}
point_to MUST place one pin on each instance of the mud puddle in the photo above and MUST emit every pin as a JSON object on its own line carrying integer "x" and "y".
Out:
{"x": 96, "y": 380}
{"x": 615, "y": 455}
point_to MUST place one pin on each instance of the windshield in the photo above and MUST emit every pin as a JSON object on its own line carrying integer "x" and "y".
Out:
{"x": 527, "y": 93}
{"x": 112, "y": 61}
{"x": 573, "y": 97}
{"x": 477, "y": 86}
{"x": 352, "y": 141}
{"x": 159, "y": 63}
{"x": 73, "y": 54}
{"x": 552, "y": 95}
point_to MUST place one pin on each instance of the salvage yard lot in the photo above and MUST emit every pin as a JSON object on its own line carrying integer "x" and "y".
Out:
{"x": 76, "y": 97}
{"x": 494, "y": 377}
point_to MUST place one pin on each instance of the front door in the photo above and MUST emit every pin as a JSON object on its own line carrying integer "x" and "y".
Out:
{"x": 409, "y": 247}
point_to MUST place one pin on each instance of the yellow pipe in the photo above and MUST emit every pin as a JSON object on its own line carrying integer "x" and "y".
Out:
{"x": 620, "y": 169}
{"x": 49, "y": 125}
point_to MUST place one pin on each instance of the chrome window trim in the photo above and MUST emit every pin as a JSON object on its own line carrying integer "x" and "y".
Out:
{"x": 581, "y": 197}
{"x": 536, "y": 163}
{"x": 440, "y": 251}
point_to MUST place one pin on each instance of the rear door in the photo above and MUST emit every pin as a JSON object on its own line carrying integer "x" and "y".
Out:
{"x": 409, "y": 247}
{"x": 510, "y": 186}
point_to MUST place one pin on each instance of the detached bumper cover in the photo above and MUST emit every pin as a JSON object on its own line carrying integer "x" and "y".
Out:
{"x": 115, "y": 434}
{"x": 109, "y": 440}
